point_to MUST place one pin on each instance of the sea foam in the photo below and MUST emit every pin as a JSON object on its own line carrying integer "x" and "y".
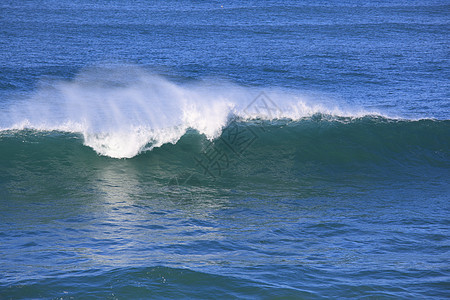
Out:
{"x": 124, "y": 110}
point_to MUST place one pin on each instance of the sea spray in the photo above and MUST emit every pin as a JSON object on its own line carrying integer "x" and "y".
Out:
{"x": 123, "y": 110}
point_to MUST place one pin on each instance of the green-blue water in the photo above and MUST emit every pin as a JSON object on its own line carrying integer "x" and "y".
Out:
{"x": 285, "y": 149}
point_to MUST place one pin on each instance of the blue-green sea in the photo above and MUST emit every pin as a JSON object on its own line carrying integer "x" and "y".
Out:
{"x": 224, "y": 149}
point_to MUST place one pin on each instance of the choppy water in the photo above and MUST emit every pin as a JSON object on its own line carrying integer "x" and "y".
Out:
{"x": 285, "y": 149}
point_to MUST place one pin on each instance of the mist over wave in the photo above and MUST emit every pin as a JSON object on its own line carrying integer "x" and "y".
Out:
{"x": 124, "y": 110}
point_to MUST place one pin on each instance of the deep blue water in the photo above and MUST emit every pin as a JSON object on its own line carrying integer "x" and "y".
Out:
{"x": 208, "y": 149}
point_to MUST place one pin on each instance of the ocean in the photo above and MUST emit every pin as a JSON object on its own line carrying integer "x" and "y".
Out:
{"x": 224, "y": 149}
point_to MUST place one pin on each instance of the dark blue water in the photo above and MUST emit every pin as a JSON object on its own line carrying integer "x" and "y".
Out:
{"x": 194, "y": 149}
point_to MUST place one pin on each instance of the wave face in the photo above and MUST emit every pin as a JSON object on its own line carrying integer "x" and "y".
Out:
{"x": 121, "y": 111}
{"x": 325, "y": 141}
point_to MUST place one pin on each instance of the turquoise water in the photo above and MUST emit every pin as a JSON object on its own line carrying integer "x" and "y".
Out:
{"x": 292, "y": 150}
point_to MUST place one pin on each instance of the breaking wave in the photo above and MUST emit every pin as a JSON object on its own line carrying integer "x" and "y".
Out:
{"x": 123, "y": 111}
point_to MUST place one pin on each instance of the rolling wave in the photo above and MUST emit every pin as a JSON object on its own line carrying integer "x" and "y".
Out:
{"x": 121, "y": 112}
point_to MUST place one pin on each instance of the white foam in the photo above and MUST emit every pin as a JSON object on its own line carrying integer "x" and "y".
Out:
{"x": 122, "y": 111}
